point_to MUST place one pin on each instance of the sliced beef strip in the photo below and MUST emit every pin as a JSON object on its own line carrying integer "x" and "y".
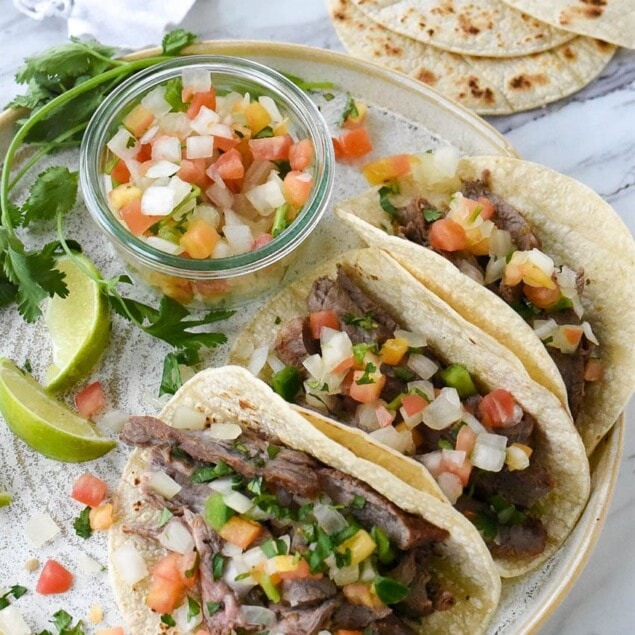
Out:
{"x": 527, "y": 539}
{"x": 405, "y": 530}
{"x": 521, "y": 487}
{"x": 208, "y": 543}
{"x": 522, "y": 432}
{"x": 307, "y": 592}
{"x": 305, "y": 621}
{"x": 345, "y": 298}
{"x": 413, "y": 225}
{"x": 417, "y": 603}
{"x": 355, "y": 617}
{"x": 392, "y": 625}
{"x": 505, "y": 216}
{"x": 149, "y": 431}
{"x": 293, "y": 343}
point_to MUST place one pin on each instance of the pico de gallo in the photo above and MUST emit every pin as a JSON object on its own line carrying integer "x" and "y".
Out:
{"x": 348, "y": 358}
{"x": 256, "y": 535}
{"x": 490, "y": 241}
{"x": 206, "y": 173}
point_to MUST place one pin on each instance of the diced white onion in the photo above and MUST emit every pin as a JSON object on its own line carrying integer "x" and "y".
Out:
{"x": 162, "y": 168}
{"x": 198, "y": 80}
{"x": 199, "y": 147}
{"x": 207, "y": 213}
{"x": 176, "y": 124}
{"x": 422, "y": 365}
{"x": 473, "y": 422}
{"x": 446, "y": 160}
{"x": 495, "y": 269}
{"x": 129, "y": 563}
{"x": 411, "y": 420}
{"x": 239, "y": 237}
{"x": 149, "y": 134}
{"x": 275, "y": 363}
{"x": 315, "y": 365}
{"x": 222, "y": 249}
{"x": 270, "y": 106}
{"x": 238, "y": 502}
{"x": 516, "y": 458}
{"x": 329, "y": 519}
{"x": 266, "y": 197}
{"x": 223, "y": 485}
{"x": 366, "y": 417}
{"x": 235, "y": 568}
{"x": 345, "y": 575}
{"x": 450, "y": 485}
{"x": 336, "y": 347}
{"x": 12, "y": 622}
{"x": 489, "y": 452}
{"x": 114, "y": 420}
{"x": 453, "y": 457}
{"x": 542, "y": 261}
{"x": 588, "y": 331}
{"x": 157, "y": 200}
{"x": 168, "y": 148}
{"x": 187, "y": 418}
{"x": 221, "y": 130}
{"x": 422, "y": 386}
{"x": 258, "y": 615}
{"x": 400, "y": 440}
{"x": 40, "y": 528}
{"x": 163, "y": 484}
{"x": 415, "y": 340}
{"x": 204, "y": 120}
{"x": 155, "y": 102}
{"x": 545, "y": 328}
{"x": 224, "y": 431}
{"x": 176, "y": 537}
{"x": 433, "y": 462}
{"x": 220, "y": 196}
{"x": 257, "y": 360}
{"x": 164, "y": 245}
{"x": 500, "y": 243}
{"x": 445, "y": 410}
{"x": 87, "y": 565}
{"x": 123, "y": 144}
{"x": 185, "y": 621}
{"x": 180, "y": 188}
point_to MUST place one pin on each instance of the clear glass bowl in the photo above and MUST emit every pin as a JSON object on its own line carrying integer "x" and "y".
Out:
{"x": 212, "y": 282}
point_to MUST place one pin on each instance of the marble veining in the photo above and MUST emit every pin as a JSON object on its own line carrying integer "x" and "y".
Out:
{"x": 589, "y": 136}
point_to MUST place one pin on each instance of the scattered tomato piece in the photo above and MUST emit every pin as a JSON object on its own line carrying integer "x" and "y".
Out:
{"x": 91, "y": 400}
{"x": 207, "y": 99}
{"x": 54, "y": 578}
{"x": 388, "y": 168}
{"x": 353, "y": 144}
{"x": 240, "y": 531}
{"x": 89, "y": 490}
{"x": 120, "y": 172}
{"x": 496, "y": 409}
{"x": 447, "y": 235}
{"x": 320, "y": 319}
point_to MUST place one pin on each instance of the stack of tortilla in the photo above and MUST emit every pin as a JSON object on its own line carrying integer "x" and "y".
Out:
{"x": 492, "y": 56}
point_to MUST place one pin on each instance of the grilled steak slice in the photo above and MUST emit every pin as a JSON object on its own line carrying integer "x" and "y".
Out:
{"x": 354, "y": 617}
{"x": 413, "y": 224}
{"x": 348, "y": 301}
{"x": 293, "y": 471}
{"x": 208, "y": 543}
{"x": 522, "y": 432}
{"x": 293, "y": 342}
{"x": 307, "y": 592}
{"x": 392, "y": 625}
{"x": 505, "y": 216}
{"x": 526, "y": 539}
{"x": 406, "y": 531}
{"x": 305, "y": 621}
{"x": 521, "y": 487}
{"x": 417, "y": 603}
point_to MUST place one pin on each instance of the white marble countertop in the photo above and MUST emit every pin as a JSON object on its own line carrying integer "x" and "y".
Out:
{"x": 589, "y": 136}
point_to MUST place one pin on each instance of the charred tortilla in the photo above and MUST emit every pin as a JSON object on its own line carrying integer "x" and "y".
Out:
{"x": 577, "y": 229}
{"x": 460, "y": 566}
{"x": 558, "y": 449}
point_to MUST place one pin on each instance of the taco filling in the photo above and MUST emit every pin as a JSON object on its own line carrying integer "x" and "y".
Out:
{"x": 350, "y": 360}
{"x": 490, "y": 241}
{"x": 260, "y": 537}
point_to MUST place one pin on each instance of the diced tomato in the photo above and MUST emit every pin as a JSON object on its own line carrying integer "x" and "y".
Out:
{"x": 463, "y": 471}
{"x": 207, "y": 99}
{"x": 117, "y": 630}
{"x": 193, "y": 171}
{"x": 300, "y": 154}
{"x": 145, "y": 152}
{"x": 384, "y": 416}
{"x": 101, "y": 517}
{"x": 225, "y": 143}
{"x": 488, "y": 208}
{"x": 91, "y": 400}
{"x": 297, "y": 187}
{"x": 120, "y": 172}
{"x": 465, "y": 440}
{"x": 138, "y": 120}
{"x": 367, "y": 393}
{"x": 54, "y": 578}
{"x": 136, "y": 221}
{"x": 200, "y": 239}
{"x": 447, "y": 235}
{"x": 541, "y": 297}
{"x": 319, "y": 319}
{"x": 230, "y": 165}
{"x": 240, "y": 531}
{"x": 270, "y": 148}
{"x": 413, "y": 403}
{"x": 262, "y": 240}
{"x": 594, "y": 370}
{"x": 388, "y": 168}
{"x": 496, "y": 409}
{"x": 174, "y": 567}
{"x": 89, "y": 490}
{"x": 298, "y": 571}
{"x": 353, "y": 144}
{"x": 164, "y": 595}
{"x": 344, "y": 365}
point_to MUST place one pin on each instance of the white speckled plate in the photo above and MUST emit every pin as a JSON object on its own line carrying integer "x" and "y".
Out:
{"x": 405, "y": 115}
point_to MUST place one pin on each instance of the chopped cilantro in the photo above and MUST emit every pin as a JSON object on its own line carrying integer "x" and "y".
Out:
{"x": 214, "y": 607}
{"x": 431, "y": 215}
{"x": 82, "y": 524}
{"x": 358, "y": 502}
{"x": 350, "y": 109}
{"x": 207, "y": 473}
{"x": 218, "y": 564}
{"x": 366, "y": 322}
{"x": 366, "y": 378}
{"x": 193, "y": 608}
{"x": 272, "y": 451}
{"x": 384, "y": 192}
{"x": 167, "y": 619}
{"x": 166, "y": 514}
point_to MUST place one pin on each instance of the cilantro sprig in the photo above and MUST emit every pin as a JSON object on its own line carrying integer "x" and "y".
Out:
{"x": 67, "y": 83}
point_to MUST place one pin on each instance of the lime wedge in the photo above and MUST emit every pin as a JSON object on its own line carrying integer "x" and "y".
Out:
{"x": 5, "y": 498}
{"x": 78, "y": 324}
{"x": 43, "y": 422}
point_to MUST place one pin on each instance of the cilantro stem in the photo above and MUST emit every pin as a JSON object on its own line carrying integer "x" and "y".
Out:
{"x": 42, "y": 113}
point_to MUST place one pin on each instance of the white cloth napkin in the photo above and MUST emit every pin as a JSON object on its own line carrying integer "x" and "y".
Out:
{"x": 122, "y": 23}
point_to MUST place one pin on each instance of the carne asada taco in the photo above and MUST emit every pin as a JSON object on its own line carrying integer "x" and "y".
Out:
{"x": 419, "y": 390}
{"x": 524, "y": 253}
{"x": 240, "y": 517}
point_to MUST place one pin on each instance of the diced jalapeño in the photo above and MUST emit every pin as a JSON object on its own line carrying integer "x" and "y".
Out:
{"x": 456, "y": 376}
{"x": 287, "y": 382}
{"x": 216, "y": 512}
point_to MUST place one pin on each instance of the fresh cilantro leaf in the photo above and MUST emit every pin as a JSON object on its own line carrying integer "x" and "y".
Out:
{"x": 82, "y": 524}
{"x": 366, "y": 378}
{"x": 189, "y": 573}
{"x": 8, "y": 291}
{"x": 272, "y": 451}
{"x": 18, "y": 591}
{"x": 63, "y": 622}
{"x": 53, "y": 192}
{"x": 166, "y": 514}
{"x": 193, "y": 608}
{"x": 218, "y": 564}
{"x": 358, "y": 502}
{"x": 265, "y": 133}
{"x": 384, "y": 201}
{"x": 214, "y": 607}
{"x": 431, "y": 215}
{"x": 360, "y": 350}
{"x": 171, "y": 379}
{"x": 175, "y": 41}
{"x": 173, "y": 94}
{"x": 366, "y": 322}
{"x": 350, "y": 109}
{"x": 166, "y": 618}
{"x": 280, "y": 219}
